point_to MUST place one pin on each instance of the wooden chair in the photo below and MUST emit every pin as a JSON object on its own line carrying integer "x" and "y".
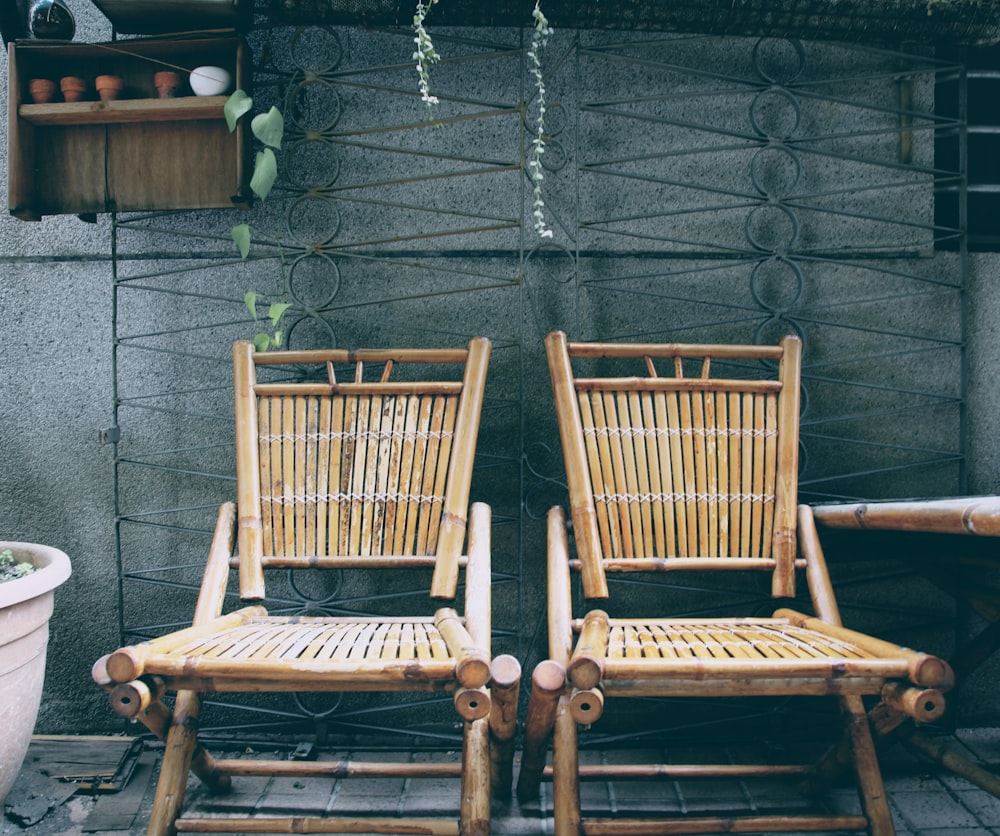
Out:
{"x": 352, "y": 474}
{"x": 673, "y": 467}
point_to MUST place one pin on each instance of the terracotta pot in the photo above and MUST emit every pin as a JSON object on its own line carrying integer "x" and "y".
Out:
{"x": 166, "y": 84}
{"x": 109, "y": 87}
{"x": 42, "y": 90}
{"x": 25, "y": 607}
{"x": 73, "y": 87}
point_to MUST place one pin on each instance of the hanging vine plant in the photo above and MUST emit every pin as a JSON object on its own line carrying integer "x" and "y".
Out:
{"x": 426, "y": 55}
{"x": 539, "y": 38}
{"x": 269, "y": 129}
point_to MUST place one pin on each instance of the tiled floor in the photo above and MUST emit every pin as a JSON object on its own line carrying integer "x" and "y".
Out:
{"x": 926, "y": 800}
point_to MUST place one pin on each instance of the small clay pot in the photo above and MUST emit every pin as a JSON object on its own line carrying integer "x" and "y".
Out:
{"x": 109, "y": 87}
{"x": 73, "y": 87}
{"x": 166, "y": 84}
{"x": 42, "y": 90}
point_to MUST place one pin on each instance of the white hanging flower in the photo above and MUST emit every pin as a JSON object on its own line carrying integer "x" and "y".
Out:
{"x": 539, "y": 38}
{"x": 425, "y": 54}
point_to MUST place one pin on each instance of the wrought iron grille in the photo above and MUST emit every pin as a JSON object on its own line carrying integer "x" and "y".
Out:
{"x": 700, "y": 189}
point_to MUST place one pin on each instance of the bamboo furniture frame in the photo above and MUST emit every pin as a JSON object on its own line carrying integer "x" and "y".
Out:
{"x": 339, "y": 474}
{"x": 960, "y": 571}
{"x": 673, "y": 471}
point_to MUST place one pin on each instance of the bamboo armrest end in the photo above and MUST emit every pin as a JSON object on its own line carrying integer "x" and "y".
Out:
{"x": 925, "y": 705}
{"x": 472, "y": 665}
{"x": 922, "y": 668}
{"x": 586, "y": 668}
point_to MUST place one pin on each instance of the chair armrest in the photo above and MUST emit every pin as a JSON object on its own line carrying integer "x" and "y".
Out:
{"x": 559, "y": 598}
{"x": 817, "y": 575}
{"x": 128, "y": 663}
{"x": 586, "y": 668}
{"x": 922, "y": 668}
{"x": 472, "y": 663}
{"x": 216, "y": 577}
{"x": 478, "y": 578}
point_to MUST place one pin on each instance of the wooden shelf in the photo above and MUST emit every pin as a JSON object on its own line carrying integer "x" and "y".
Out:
{"x": 137, "y": 153}
{"x": 122, "y": 111}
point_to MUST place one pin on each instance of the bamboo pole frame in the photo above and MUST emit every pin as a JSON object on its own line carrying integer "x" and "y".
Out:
{"x": 315, "y": 463}
{"x": 587, "y": 665}
{"x": 695, "y": 472}
{"x": 977, "y": 516}
{"x": 472, "y": 664}
{"x": 921, "y": 668}
{"x": 548, "y": 681}
{"x": 787, "y": 469}
{"x": 581, "y": 497}
{"x": 248, "y": 463}
{"x": 452, "y": 535}
{"x": 505, "y": 684}
{"x": 298, "y": 824}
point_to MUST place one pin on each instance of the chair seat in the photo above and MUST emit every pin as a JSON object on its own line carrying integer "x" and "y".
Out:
{"x": 290, "y": 653}
{"x": 765, "y": 655}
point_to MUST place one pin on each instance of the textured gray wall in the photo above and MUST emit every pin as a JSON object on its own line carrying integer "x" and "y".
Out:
{"x": 56, "y": 392}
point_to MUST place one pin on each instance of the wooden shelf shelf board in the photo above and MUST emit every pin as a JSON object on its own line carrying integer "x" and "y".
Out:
{"x": 121, "y": 111}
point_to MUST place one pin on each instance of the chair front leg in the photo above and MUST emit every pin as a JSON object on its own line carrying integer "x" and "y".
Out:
{"x": 870, "y": 787}
{"x": 505, "y": 689}
{"x": 548, "y": 680}
{"x": 181, "y": 743}
{"x": 565, "y": 773}
{"x": 476, "y": 779}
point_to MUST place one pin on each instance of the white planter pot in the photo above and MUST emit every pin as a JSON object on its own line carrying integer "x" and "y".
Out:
{"x": 25, "y": 607}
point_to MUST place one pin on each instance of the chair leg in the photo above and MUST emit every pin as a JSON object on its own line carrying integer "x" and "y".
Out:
{"x": 547, "y": 683}
{"x": 874, "y": 800}
{"x": 476, "y": 778}
{"x": 177, "y": 756}
{"x": 565, "y": 773}
{"x": 505, "y": 689}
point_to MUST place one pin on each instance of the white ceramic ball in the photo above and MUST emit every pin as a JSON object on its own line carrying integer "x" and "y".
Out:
{"x": 209, "y": 81}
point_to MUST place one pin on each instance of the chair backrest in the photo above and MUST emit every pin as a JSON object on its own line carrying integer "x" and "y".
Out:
{"x": 671, "y": 466}
{"x": 352, "y": 472}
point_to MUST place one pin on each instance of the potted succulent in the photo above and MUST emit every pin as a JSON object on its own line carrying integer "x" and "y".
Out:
{"x": 34, "y": 571}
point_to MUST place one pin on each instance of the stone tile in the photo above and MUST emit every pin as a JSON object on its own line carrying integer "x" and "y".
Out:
{"x": 925, "y": 800}
{"x": 983, "y": 743}
{"x": 952, "y": 831}
{"x": 928, "y": 810}
{"x": 982, "y": 805}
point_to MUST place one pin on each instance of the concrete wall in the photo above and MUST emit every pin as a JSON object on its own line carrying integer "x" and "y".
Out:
{"x": 56, "y": 394}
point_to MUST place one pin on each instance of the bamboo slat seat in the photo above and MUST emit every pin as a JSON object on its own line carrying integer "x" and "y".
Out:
{"x": 308, "y": 653}
{"x": 683, "y": 457}
{"x": 337, "y": 471}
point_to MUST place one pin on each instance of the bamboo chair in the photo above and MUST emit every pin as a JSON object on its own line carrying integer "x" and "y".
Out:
{"x": 668, "y": 472}
{"x": 352, "y": 475}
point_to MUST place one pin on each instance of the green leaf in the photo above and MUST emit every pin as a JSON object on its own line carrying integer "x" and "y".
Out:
{"x": 265, "y": 172}
{"x": 261, "y": 342}
{"x": 269, "y": 127}
{"x": 236, "y": 105}
{"x": 241, "y": 235}
{"x": 250, "y": 300}
{"x": 278, "y": 336}
{"x": 276, "y": 311}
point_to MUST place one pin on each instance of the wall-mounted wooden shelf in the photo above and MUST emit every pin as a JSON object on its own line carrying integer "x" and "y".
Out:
{"x": 133, "y": 154}
{"x": 118, "y": 112}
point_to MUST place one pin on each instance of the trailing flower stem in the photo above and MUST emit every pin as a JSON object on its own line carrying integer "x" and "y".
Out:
{"x": 539, "y": 38}
{"x": 425, "y": 54}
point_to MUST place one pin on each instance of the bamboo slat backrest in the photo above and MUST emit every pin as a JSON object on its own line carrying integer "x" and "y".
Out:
{"x": 352, "y": 472}
{"x": 673, "y": 470}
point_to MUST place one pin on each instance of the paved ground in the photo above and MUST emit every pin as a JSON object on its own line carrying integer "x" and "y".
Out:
{"x": 926, "y": 800}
